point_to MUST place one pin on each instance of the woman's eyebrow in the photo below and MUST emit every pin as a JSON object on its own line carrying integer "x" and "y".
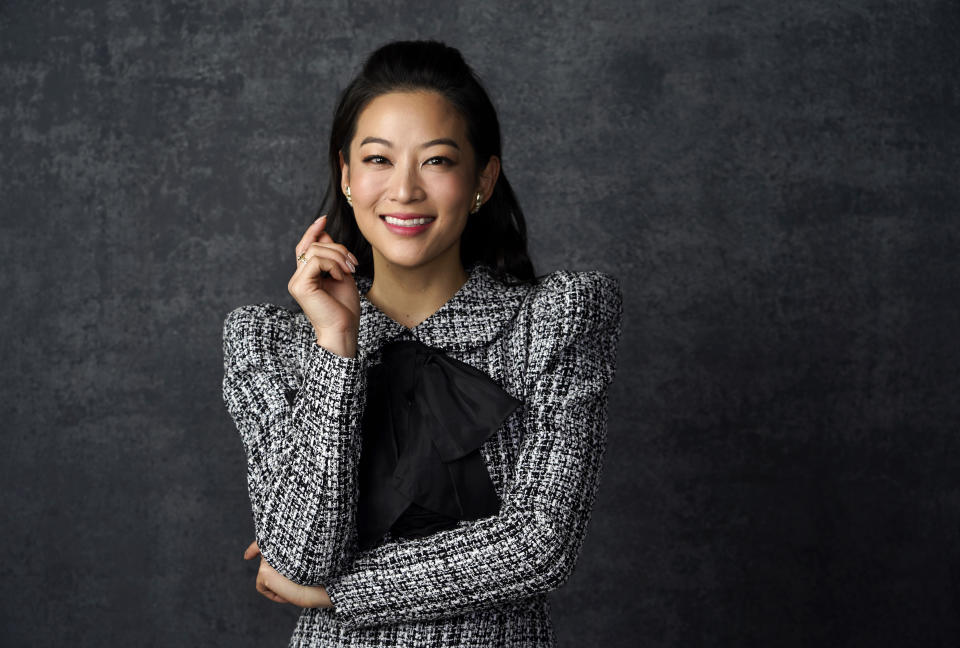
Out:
{"x": 441, "y": 140}
{"x": 433, "y": 142}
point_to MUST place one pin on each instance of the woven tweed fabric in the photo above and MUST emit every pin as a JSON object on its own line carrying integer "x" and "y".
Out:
{"x": 298, "y": 408}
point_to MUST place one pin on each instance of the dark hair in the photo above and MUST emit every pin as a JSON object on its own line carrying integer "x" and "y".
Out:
{"x": 496, "y": 234}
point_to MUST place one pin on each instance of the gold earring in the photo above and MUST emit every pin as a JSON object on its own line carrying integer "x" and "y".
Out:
{"x": 349, "y": 199}
{"x": 477, "y": 203}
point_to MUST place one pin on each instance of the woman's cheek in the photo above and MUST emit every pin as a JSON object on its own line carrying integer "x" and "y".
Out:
{"x": 452, "y": 191}
{"x": 365, "y": 187}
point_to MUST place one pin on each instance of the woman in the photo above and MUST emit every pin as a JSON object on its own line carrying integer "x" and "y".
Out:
{"x": 424, "y": 440}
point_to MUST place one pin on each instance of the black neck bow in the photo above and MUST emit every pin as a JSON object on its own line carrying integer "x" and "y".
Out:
{"x": 420, "y": 466}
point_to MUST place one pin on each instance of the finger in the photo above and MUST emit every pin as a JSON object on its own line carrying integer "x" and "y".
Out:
{"x": 336, "y": 246}
{"x": 267, "y": 578}
{"x": 251, "y": 551}
{"x": 324, "y": 237}
{"x": 273, "y": 596}
{"x": 321, "y": 264}
{"x": 311, "y": 253}
{"x": 315, "y": 234}
{"x": 343, "y": 257}
{"x": 311, "y": 234}
{"x": 264, "y": 589}
{"x": 315, "y": 264}
{"x": 346, "y": 259}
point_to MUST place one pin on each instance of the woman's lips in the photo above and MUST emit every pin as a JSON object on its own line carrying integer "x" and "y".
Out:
{"x": 407, "y": 230}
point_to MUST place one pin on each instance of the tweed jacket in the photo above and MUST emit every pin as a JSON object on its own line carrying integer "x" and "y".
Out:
{"x": 484, "y": 582}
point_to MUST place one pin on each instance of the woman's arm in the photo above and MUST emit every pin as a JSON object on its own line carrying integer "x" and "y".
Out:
{"x": 298, "y": 413}
{"x": 532, "y": 544}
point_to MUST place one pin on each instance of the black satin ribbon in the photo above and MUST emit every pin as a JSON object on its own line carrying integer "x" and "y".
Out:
{"x": 420, "y": 467}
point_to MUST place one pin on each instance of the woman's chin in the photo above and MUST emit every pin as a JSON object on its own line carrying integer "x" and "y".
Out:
{"x": 412, "y": 259}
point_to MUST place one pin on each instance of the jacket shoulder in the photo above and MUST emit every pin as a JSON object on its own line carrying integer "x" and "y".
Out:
{"x": 570, "y": 328}
{"x": 576, "y": 301}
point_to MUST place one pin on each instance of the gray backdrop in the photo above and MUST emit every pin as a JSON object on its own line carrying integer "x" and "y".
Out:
{"x": 775, "y": 184}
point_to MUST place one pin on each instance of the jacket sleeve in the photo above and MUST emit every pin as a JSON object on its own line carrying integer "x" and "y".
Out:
{"x": 297, "y": 407}
{"x": 531, "y": 545}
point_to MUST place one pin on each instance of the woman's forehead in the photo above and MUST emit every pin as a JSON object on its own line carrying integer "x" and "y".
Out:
{"x": 411, "y": 118}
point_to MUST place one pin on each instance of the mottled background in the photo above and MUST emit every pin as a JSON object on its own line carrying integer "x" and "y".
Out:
{"x": 775, "y": 184}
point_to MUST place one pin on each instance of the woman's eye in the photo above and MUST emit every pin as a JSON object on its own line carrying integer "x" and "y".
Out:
{"x": 439, "y": 160}
{"x": 375, "y": 159}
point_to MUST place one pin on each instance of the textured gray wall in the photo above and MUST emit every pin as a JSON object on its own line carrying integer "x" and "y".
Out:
{"x": 774, "y": 183}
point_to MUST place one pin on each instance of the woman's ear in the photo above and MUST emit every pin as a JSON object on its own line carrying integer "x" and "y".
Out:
{"x": 488, "y": 177}
{"x": 344, "y": 173}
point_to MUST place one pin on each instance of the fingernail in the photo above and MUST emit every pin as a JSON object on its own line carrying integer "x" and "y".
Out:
{"x": 352, "y": 267}
{"x": 356, "y": 261}
{"x": 319, "y": 219}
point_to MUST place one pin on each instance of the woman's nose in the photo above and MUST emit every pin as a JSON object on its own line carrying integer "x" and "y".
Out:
{"x": 406, "y": 185}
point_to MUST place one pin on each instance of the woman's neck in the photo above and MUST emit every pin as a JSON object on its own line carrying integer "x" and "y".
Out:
{"x": 411, "y": 295}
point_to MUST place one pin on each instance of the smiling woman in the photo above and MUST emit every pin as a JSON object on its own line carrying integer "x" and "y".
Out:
{"x": 424, "y": 439}
{"x": 412, "y": 181}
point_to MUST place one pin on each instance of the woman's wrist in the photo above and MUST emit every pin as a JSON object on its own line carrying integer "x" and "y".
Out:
{"x": 316, "y": 597}
{"x": 342, "y": 343}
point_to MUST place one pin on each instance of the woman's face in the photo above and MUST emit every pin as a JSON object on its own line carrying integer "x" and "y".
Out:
{"x": 410, "y": 159}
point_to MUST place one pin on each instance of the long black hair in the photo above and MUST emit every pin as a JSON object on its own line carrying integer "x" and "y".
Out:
{"x": 496, "y": 235}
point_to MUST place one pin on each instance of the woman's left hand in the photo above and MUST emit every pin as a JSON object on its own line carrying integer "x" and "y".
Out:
{"x": 280, "y": 589}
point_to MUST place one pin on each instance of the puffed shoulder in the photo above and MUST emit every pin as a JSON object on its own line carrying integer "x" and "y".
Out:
{"x": 574, "y": 318}
{"x": 572, "y": 303}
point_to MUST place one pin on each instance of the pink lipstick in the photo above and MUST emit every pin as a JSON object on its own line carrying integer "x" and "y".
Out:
{"x": 407, "y": 224}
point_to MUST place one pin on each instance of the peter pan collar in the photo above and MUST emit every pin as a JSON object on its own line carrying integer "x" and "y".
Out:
{"x": 473, "y": 317}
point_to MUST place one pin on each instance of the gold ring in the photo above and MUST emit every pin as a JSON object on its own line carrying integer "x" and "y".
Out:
{"x": 302, "y": 258}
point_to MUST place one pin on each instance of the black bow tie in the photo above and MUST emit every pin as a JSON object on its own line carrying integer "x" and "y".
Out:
{"x": 420, "y": 467}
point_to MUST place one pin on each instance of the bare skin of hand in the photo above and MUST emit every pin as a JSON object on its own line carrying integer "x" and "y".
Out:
{"x": 331, "y": 303}
{"x": 280, "y": 589}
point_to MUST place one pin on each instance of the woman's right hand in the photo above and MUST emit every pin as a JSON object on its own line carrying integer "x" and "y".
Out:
{"x": 331, "y": 303}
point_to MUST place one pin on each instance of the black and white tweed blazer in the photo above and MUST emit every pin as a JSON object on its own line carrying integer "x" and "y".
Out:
{"x": 298, "y": 408}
